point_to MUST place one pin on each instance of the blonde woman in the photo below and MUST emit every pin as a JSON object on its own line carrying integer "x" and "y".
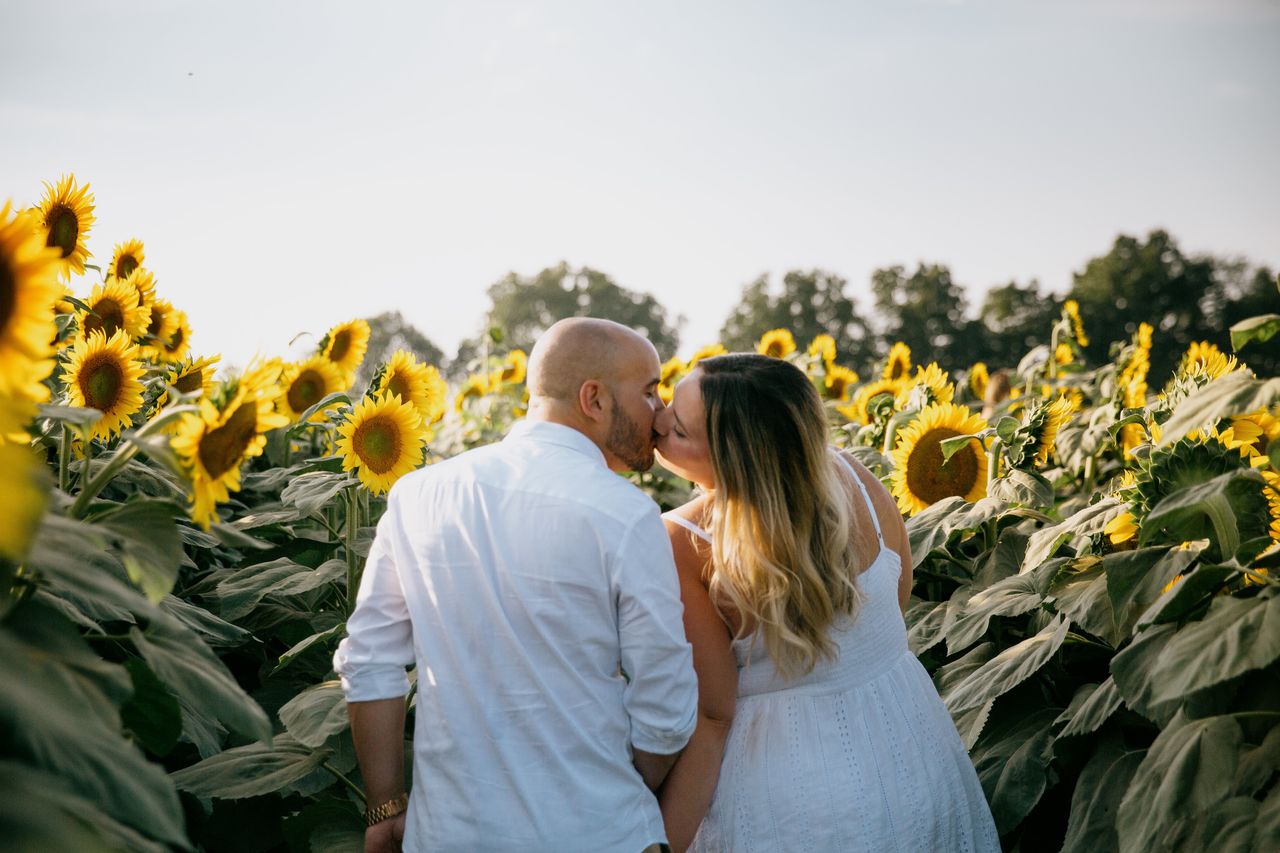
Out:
{"x": 818, "y": 729}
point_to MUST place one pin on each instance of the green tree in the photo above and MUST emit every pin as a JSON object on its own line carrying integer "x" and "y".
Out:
{"x": 1014, "y": 318}
{"x": 1242, "y": 291}
{"x": 811, "y": 302}
{"x": 388, "y": 332}
{"x": 926, "y": 311}
{"x": 525, "y": 307}
{"x": 1151, "y": 282}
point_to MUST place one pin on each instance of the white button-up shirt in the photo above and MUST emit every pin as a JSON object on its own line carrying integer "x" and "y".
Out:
{"x": 520, "y": 577}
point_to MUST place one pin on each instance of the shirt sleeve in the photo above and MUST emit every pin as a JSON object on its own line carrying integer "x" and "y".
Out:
{"x": 371, "y": 660}
{"x": 662, "y": 695}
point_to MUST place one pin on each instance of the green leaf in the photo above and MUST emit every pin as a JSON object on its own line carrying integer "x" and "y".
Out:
{"x": 1233, "y": 394}
{"x": 952, "y": 446}
{"x": 152, "y": 714}
{"x": 1261, "y": 329}
{"x": 76, "y": 416}
{"x": 1131, "y": 669}
{"x": 305, "y": 419}
{"x": 1012, "y": 596}
{"x": 970, "y": 722}
{"x": 931, "y": 528}
{"x": 313, "y": 491}
{"x": 337, "y": 838}
{"x": 1136, "y": 579}
{"x": 316, "y": 713}
{"x": 244, "y": 588}
{"x": 1092, "y": 706}
{"x": 75, "y": 562}
{"x": 213, "y": 630}
{"x": 1183, "y": 774}
{"x": 1258, "y": 764}
{"x": 250, "y": 771}
{"x": 1096, "y": 800}
{"x": 150, "y": 547}
{"x": 1089, "y": 521}
{"x": 924, "y": 625}
{"x": 1186, "y": 596}
{"x": 1026, "y": 488}
{"x": 302, "y": 645}
{"x": 1013, "y": 766}
{"x": 1009, "y": 668}
{"x": 1215, "y": 499}
{"x": 1080, "y": 591}
{"x": 183, "y": 662}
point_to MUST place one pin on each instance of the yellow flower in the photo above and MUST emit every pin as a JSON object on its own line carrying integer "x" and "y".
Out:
{"x": 23, "y": 494}
{"x": 1272, "y": 479}
{"x": 838, "y": 382}
{"x": 1057, "y": 415}
{"x": 823, "y": 347}
{"x": 160, "y": 329}
{"x": 476, "y": 386}
{"x": 113, "y": 307}
{"x": 307, "y": 383}
{"x": 709, "y": 351}
{"x": 345, "y": 345}
{"x": 1211, "y": 366}
{"x": 414, "y": 382}
{"x": 978, "y": 379}
{"x": 104, "y": 373}
{"x": 932, "y": 384}
{"x": 1199, "y": 352}
{"x": 175, "y": 349}
{"x": 187, "y": 377}
{"x": 512, "y": 371}
{"x": 214, "y": 443}
{"x": 857, "y": 411}
{"x": 920, "y": 478}
{"x": 1177, "y": 579}
{"x": 382, "y": 440}
{"x": 671, "y": 372}
{"x": 126, "y": 258}
{"x": 776, "y": 343}
{"x": 143, "y": 283}
{"x": 28, "y": 290}
{"x": 898, "y": 364}
{"x": 1122, "y": 528}
{"x": 1063, "y": 354}
{"x": 1072, "y": 309}
{"x": 66, "y": 212}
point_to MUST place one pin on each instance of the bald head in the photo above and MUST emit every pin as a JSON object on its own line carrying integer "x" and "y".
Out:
{"x": 579, "y": 349}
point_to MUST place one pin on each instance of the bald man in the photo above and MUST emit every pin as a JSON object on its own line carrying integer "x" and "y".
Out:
{"x": 536, "y": 593}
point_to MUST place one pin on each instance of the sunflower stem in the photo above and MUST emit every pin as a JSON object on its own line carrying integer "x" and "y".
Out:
{"x": 993, "y": 460}
{"x": 1053, "y": 351}
{"x": 353, "y": 561}
{"x": 351, "y": 786}
{"x": 64, "y": 452}
{"x": 124, "y": 453}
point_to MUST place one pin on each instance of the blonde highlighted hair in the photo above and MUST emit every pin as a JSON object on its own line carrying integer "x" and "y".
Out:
{"x": 781, "y": 522}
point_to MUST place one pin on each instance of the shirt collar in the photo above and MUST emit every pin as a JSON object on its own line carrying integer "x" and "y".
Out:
{"x": 546, "y": 432}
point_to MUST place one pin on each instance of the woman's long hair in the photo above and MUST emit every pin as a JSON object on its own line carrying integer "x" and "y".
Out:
{"x": 780, "y": 519}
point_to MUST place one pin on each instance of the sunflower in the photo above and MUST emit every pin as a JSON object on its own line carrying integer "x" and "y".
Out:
{"x": 1122, "y": 528}
{"x": 823, "y": 348}
{"x": 930, "y": 385}
{"x": 188, "y": 376}
{"x": 512, "y": 371}
{"x": 1210, "y": 367}
{"x": 1072, "y": 310}
{"x": 709, "y": 351}
{"x": 1272, "y": 479}
{"x": 382, "y": 440}
{"x": 475, "y": 387}
{"x": 214, "y": 443}
{"x": 1064, "y": 354}
{"x": 125, "y": 258}
{"x": 143, "y": 283}
{"x": 410, "y": 380}
{"x": 66, "y": 212}
{"x": 113, "y": 307}
{"x": 978, "y": 379}
{"x": 160, "y": 329}
{"x": 176, "y": 347}
{"x": 1201, "y": 352}
{"x": 23, "y": 494}
{"x": 898, "y": 364}
{"x": 670, "y": 373}
{"x": 105, "y": 373}
{"x": 776, "y": 343}
{"x": 1048, "y": 419}
{"x": 920, "y": 478}
{"x": 838, "y": 382}
{"x": 857, "y": 411}
{"x": 345, "y": 345}
{"x": 308, "y": 382}
{"x": 29, "y": 288}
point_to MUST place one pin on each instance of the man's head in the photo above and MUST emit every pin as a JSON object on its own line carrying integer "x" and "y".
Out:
{"x": 600, "y": 378}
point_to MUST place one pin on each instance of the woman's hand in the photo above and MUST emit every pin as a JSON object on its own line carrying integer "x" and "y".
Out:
{"x": 385, "y": 836}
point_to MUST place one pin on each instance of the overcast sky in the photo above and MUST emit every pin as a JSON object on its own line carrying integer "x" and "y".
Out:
{"x": 292, "y": 165}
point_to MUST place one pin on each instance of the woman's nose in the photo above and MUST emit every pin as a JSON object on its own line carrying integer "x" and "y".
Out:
{"x": 661, "y": 421}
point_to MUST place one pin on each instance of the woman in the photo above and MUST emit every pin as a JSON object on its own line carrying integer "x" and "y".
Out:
{"x": 818, "y": 729}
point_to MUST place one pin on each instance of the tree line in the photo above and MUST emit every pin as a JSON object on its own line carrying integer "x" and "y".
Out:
{"x": 1184, "y": 297}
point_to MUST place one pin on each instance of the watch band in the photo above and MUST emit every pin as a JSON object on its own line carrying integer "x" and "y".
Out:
{"x": 389, "y": 809}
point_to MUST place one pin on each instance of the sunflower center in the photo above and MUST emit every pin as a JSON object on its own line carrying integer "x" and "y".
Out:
{"x": 399, "y": 386}
{"x": 931, "y": 480}
{"x": 101, "y": 379}
{"x": 306, "y": 390}
{"x": 377, "y": 442}
{"x": 126, "y": 265}
{"x": 107, "y": 317}
{"x": 8, "y": 292}
{"x": 222, "y": 448}
{"x": 176, "y": 339}
{"x": 341, "y": 343}
{"x": 836, "y": 390}
{"x": 157, "y": 321}
{"x": 189, "y": 382}
{"x": 64, "y": 229}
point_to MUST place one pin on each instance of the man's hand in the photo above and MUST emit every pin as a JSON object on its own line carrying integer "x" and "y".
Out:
{"x": 385, "y": 836}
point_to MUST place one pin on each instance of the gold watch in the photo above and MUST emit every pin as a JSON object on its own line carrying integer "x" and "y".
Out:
{"x": 389, "y": 809}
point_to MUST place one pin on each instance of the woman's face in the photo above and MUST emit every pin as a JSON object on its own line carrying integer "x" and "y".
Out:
{"x": 682, "y": 433}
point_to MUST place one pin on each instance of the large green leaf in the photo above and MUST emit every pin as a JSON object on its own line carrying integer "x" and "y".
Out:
{"x": 74, "y": 560}
{"x": 306, "y": 643}
{"x": 316, "y": 713}
{"x": 1009, "y": 668}
{"x": 1091, "y": 828}
{"x": 924, "y": 625}
{"x": 1023, "y": 487}
{"x": 152, "y": 713}
{"x": 1080, "y": 594}
{"x": 1092, "y": 706}
{"x": 1012, "y": 596}
{"x": 970, "y": 721}
{"x": 186, "y": 665}
{"x": 1132, "y": 666}
{"x": 1186, "y": 596}
{"x": 1089, "y": 521}
{"x": 213, "y": 630}
{"x": 1258, "y": 764}
{"x": 241, "y": 591}
{"x": 1136, "y": 579}
{"x": 1233, "y": 394}
{"x": 932, "y": 527}
{"x": 150, "y": 547}
{"x": 1240, "y": 823}
{"x": 1261, "y": 329}
{"x": 1013, "y": 766}
{"x": 1179, "y": 514}
{"x": 313, "y": 491}
{"x": 252, "y": 770}
{"x": 1186, "y": 772}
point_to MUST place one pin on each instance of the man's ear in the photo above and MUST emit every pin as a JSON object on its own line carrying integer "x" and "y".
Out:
{"x": 593, "y": 399}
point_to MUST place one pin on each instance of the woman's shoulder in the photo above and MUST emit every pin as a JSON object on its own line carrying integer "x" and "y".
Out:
{"x": 693, "y": 511}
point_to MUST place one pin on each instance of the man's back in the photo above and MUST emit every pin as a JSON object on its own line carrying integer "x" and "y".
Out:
{"x": 530, "y": 572}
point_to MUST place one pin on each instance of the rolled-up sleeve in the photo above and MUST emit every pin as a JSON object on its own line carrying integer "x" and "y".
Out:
{"x": 371, "y": 660}
{"x": 661, "y": 697}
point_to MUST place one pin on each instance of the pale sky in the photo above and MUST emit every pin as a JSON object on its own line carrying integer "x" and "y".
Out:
{"x": 292, "y": 165}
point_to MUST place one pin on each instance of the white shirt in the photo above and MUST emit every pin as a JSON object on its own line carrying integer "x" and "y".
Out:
{"x": 519, "y": 577}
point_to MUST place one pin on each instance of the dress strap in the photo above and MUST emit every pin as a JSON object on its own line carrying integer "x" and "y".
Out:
{"x": 689, "y": 526}
{"x": 875, "y": 517}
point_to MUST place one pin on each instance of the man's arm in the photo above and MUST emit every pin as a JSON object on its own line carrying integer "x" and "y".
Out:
{"x": 377, "y": 727}
{"x": 653, "y": 767}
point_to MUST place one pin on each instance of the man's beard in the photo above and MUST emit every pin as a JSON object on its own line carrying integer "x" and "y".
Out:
{"x": 627, "y": 442}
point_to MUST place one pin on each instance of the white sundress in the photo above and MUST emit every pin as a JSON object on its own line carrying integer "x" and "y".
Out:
{"x": 860, "y": 754}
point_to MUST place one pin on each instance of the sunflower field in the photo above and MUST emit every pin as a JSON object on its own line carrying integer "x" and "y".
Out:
{"x": 1096, "y": 554}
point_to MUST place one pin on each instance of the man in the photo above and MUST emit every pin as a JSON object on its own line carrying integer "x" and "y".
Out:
{"x": 524, "y": 579}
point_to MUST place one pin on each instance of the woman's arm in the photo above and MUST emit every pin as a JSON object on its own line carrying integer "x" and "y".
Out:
{"x": 686, "y": 794}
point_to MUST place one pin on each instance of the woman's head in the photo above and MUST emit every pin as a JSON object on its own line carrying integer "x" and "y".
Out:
{"x": 753, "y": 429}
